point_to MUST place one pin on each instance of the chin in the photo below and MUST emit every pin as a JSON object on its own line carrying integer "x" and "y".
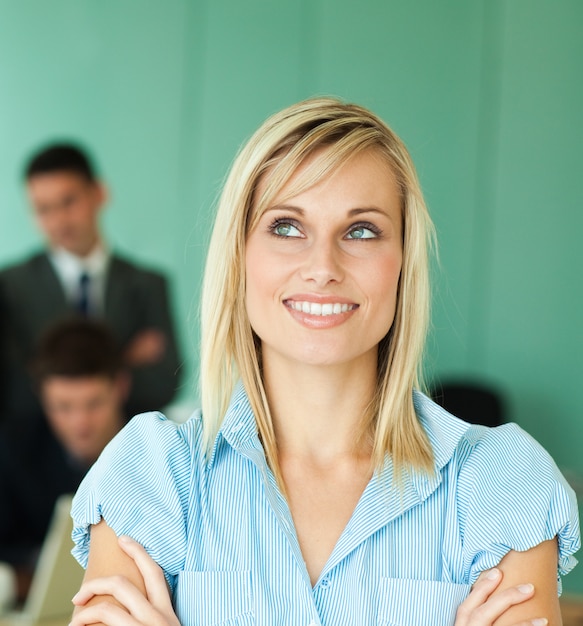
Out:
{"x": 84, "y": 454}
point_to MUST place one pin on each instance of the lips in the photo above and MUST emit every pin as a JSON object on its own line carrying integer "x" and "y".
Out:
{"x": 320, "y": 309}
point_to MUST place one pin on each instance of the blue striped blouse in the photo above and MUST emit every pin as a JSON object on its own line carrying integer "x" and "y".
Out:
{"x": 223, "y": 533}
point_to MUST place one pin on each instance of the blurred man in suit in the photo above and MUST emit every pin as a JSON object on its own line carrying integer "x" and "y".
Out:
{"x": 78, "y": 272}
{"x": 82, "y": 386}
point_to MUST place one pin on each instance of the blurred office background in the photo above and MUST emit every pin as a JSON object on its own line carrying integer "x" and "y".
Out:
{"x": 487, "y": 94}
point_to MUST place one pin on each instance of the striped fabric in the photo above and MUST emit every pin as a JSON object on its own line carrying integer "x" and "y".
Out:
{"x": 224, "y": 536}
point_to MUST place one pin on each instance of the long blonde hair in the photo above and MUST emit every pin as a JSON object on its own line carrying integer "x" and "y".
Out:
{"x": 229, "y": 349}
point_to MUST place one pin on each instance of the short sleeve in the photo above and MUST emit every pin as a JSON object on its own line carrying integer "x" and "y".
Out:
{"x": 140, "y": 486}
{"x": 511, "y": 496}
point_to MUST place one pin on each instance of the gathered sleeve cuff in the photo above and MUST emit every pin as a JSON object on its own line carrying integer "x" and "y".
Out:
{"x": 140, "y": 486}
{"x": 514, "y": 499}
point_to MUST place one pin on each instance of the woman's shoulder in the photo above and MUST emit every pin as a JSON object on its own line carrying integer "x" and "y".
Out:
{"x": 156, "y": 420}
{"x": 512, "y": 495}
{"x": 140, "y": 483}
{"x": 509, "y": 493}
{"x": 506, "y": 450}
{"x": 150, "y": 444}
{"x": 470, "y": 445}
{"x": 155, "y": 428}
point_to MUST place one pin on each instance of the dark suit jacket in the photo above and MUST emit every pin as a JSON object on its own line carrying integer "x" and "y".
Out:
{"x": 34, "y": 471}
{"x": 31, "y": 298}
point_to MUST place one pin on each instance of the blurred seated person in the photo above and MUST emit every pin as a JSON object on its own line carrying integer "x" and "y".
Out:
{"x": 78, "y": 272}
{"x": 82, "y": 388}
{"x": 475, "y": 401}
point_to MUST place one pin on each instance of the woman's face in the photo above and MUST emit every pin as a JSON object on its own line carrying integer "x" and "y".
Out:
{"x": 322, "y": 267}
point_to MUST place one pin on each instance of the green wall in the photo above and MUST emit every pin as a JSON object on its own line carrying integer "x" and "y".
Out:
{"x": 486, "y": 93}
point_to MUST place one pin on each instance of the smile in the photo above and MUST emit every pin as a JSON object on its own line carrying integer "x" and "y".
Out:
{"x": 319, "y": 309}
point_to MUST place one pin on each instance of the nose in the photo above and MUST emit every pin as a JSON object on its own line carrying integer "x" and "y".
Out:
{"x": 80, "y": 419}
{"x": 56, "y": 217}
{"x": 323, "y": 263}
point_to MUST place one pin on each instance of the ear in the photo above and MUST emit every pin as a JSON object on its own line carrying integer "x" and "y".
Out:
{"x": 123, "y": 384}
{"x": 102, "y": 194}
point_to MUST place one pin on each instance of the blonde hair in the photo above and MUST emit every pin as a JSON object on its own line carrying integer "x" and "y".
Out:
{"x": 229, "y": 348}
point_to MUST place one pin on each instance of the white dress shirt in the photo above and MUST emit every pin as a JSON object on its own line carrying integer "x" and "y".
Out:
{"x": 70, "y": 267}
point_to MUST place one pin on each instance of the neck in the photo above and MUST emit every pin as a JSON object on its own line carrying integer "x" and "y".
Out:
{"x": 318, "y": 411}
{"x": 86, "y": 249}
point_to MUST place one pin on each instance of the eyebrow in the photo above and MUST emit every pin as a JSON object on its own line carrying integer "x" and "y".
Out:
{"x": 352, "y": 213}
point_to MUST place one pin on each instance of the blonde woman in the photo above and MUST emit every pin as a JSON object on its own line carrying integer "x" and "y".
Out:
{"x": 319, "y": 485}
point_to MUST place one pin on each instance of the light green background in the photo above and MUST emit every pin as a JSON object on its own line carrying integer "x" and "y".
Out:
{"x": 488, "y": 95}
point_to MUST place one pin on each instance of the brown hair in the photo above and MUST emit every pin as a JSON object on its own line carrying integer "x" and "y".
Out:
{"x": 76, "y": 348}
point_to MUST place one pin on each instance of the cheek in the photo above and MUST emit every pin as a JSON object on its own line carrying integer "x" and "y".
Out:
{"x": 59, "y": 421}
{"x": 100, "y": 423}
{"x": 106, "y": 410}
{"x": 87, "y": 214}
{"x": 384, "y": 287}
{"x": 385, "y": 276}
{"x": 260, "y": 270}
{"x": 45, "y": 222}
{"x": 77, "y": 216}
{"x": 264, "y": 285}
{"x": 394, "y": 275}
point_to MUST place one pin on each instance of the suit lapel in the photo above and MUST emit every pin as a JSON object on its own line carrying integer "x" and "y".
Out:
{"x": 48, "y": 286}
{"x": 119, "y": 307}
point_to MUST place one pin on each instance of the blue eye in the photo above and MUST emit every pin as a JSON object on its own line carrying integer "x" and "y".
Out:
{"x": 362, "y": 232}
{"x": 285, "y": 229}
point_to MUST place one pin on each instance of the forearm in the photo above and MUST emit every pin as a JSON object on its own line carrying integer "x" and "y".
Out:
{"x": 537, "y": 566}
{"x": 123, "y": 586}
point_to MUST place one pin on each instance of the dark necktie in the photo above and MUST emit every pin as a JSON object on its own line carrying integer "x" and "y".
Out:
{"x": 83, "y": 300}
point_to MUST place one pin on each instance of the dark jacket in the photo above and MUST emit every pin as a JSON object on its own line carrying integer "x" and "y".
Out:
{"x": 32, "y": 298}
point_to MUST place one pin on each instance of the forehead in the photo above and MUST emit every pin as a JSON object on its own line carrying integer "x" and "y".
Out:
{"x": 56, "y": 183}
{"x": 368, "y": 172}
{"x": 74, "y": 388}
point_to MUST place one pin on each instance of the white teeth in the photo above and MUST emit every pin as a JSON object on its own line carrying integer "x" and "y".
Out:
{"x": 315, "y": 308}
